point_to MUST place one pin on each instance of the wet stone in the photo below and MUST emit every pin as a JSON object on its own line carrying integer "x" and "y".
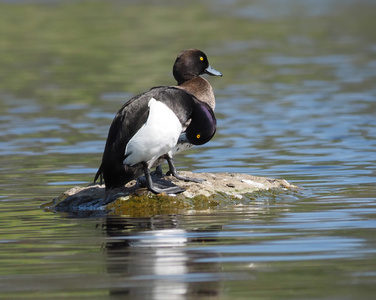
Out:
{"x": 216, "y": 189}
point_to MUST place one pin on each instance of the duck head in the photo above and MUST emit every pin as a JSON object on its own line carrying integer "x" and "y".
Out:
{"x": 190, "y": 64}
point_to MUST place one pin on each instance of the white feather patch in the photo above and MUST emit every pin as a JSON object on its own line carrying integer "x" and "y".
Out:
{"x": 156, "y": 137}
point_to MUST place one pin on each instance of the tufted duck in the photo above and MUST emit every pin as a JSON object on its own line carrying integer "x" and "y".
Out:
{"x": 154, "y": 125}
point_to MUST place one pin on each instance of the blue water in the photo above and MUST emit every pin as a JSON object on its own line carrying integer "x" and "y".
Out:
{"x": 301, "y": 107}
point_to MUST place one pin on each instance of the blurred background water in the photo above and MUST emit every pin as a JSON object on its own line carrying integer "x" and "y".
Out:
{"x": 297, "y": 101}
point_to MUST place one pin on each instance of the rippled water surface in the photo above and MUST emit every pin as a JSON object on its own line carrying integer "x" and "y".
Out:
{"x": 297, "y": 101}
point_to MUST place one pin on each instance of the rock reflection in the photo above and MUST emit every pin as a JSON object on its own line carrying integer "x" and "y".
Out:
{"x": 149, "y": 259}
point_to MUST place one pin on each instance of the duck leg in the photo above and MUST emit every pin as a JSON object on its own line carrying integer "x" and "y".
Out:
{"x": 156, "y": 174}
{"x": 174, "y": 189}
{"x": 174, "y": 173}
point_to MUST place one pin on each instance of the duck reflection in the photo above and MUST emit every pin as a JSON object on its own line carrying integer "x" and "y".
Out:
{"x": 151, "y": 260}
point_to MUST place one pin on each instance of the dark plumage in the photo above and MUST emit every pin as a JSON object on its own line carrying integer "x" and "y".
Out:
{"x": 149, "y": 126}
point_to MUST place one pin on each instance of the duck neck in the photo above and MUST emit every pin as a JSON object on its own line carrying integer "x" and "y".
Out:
{"x": 201, "y": 89}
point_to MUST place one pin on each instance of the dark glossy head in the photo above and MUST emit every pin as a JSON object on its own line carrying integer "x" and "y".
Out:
{"x": 190, "y": 64}
{"x": 203, "y": 124}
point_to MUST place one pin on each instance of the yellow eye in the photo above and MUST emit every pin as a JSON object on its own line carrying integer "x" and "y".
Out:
{"x": 201, "y": 58}
{"x": 198, "y": 136}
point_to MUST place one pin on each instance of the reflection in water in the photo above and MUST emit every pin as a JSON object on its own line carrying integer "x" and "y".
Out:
{"x": 297, "y": 101}
{"x": 151, "y": 257}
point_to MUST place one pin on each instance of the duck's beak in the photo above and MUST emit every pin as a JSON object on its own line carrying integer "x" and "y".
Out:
{"x": 209, "y": 70}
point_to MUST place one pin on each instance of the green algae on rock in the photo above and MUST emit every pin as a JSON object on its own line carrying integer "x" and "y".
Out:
{"x": 216, "y": 189}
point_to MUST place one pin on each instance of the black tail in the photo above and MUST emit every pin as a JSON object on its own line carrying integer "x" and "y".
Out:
{"x": 99, "y": 174}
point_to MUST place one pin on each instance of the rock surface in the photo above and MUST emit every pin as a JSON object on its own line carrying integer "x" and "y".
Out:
{"x": 229, "y": 183}
{"x": 214, "y": 189}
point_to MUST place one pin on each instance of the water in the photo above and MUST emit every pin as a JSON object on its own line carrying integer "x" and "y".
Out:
{"x": 297, "y": 101}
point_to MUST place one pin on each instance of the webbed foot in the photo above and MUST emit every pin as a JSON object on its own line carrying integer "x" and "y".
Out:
{"x": 160, "y": 185}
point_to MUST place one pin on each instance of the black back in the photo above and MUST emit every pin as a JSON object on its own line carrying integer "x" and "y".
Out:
{"x": 128, "y": 120}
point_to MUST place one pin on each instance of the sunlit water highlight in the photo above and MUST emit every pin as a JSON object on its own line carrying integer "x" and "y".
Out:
{"x": 296, "y": 104}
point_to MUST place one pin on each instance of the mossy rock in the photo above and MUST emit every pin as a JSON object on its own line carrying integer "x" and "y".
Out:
{"x": 217, "y": 189}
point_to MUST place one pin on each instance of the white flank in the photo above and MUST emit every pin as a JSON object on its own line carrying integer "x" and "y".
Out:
{"x": 181, "y": 147}
{"x": 156, "y": 137}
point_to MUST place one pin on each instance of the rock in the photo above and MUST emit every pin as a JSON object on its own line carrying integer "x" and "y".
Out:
{"x": 229, "y": 183}
{"x": 216, "y": 189}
